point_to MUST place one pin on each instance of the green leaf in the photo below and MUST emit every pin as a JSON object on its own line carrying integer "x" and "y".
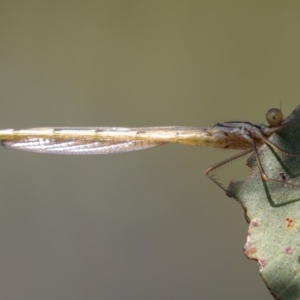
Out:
{"x": 273, "y": 211}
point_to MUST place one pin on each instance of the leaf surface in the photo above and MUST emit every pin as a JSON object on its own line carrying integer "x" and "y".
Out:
{"x": 273, "y": 211}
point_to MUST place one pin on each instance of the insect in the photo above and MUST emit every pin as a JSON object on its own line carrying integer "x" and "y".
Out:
{"x": 105, "y": 140}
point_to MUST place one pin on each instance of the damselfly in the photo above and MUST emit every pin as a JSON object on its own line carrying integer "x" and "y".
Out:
{"x": 105, "y": 140}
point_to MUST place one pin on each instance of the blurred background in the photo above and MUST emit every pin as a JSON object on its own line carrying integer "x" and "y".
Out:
{"x": 148, "y": 224}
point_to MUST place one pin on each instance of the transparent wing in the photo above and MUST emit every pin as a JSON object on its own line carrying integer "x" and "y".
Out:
{"x": 103, "y": 140}
{"x": 80, "y": 146}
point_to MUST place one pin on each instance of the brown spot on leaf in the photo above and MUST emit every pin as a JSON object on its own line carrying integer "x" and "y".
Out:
{"x": 289, "y": 223}
{"x": 254, "y": 223}
{"x": 249, "y": 251}
{"x": 282, "y": 177}
{"x": 262, "y": 263}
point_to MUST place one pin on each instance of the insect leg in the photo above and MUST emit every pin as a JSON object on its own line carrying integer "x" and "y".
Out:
{"x": 209, "y": 171}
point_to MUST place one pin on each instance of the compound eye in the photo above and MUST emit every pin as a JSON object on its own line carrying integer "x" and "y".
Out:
{"x": 274, "y": 117}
